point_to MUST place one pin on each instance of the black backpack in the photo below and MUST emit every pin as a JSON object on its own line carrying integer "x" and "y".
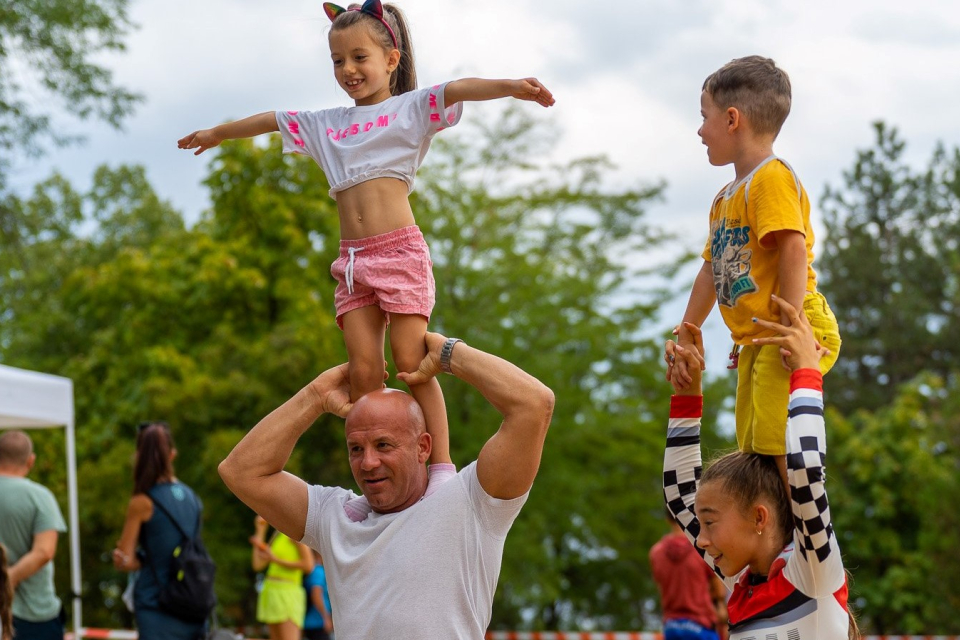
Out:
{"x": 188, "y": 594}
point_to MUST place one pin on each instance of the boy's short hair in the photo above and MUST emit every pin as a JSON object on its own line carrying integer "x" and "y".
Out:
{"x": 755, "y": 86}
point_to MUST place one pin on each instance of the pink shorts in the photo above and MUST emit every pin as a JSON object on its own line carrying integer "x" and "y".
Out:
{"x": 392, "y": 271}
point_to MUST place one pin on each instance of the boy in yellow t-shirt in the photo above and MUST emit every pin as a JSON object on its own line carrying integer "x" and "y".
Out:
{"x": 760, "y": 245}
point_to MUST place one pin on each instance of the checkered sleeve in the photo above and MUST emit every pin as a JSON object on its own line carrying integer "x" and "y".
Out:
{"x": 816, "y": 568}
{"x": 682, "y": 467}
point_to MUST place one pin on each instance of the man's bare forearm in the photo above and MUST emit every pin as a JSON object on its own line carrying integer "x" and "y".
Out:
{"x": 509, "y": 461}
{"x": 254, "y": 469}
{"x": 31, "y": 562}
{"x": 518, "y": 396}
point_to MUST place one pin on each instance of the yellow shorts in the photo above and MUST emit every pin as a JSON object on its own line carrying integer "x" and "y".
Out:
{"x": 763, "y": 385}
{"x": 280, "y": 601}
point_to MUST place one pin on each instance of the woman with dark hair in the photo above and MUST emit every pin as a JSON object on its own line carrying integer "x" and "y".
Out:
{"x": 150, "y": 535}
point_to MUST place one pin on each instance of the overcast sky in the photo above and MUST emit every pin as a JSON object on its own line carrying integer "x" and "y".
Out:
{"x": 626, "y": 76}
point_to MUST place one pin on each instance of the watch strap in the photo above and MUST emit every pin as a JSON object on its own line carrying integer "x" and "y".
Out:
{"x": 446, "y": 353}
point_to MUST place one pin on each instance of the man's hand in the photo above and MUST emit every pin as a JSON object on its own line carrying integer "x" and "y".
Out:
{"x": 429, "y": 366}
{"x": 797, "y": 345}
{"x": 333, "y": 390}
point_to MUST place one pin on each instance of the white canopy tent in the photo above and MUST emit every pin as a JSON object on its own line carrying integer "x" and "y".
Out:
{"x": 30, "y": 400}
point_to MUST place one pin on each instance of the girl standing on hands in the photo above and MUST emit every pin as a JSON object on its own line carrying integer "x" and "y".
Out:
{"x": 777, "y": 554}
{"x": 370, "y": 153}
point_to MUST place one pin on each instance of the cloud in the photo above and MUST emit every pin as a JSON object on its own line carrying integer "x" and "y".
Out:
{"x": 627, "y": 78}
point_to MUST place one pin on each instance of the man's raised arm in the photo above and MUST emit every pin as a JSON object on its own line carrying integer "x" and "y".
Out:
{"x": 254, "y": 469}
{"x": 509, "y": 461}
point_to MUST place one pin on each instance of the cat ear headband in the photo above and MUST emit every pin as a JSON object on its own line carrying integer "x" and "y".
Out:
{"x": 370, "y": 7}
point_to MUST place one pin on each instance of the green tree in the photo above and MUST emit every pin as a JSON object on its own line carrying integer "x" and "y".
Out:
{"x": 893, "y": 485}
{"x": 48, "y": 52}
{"x": 52, "y": 45}
{"x": 891, "y": 270}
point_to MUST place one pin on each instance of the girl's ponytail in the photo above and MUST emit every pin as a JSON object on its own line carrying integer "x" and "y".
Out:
{"x": 404, "y": 79}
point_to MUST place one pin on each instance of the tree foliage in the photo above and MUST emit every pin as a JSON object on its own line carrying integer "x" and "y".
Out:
{"x": 891, "y": 270}
{"x": 51, "y": 46}
{"x": 894, "y": 484}
{"x": 211, "y": 327}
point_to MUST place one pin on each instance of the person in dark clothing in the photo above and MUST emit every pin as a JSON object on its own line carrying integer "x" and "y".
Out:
{"x": 149, "y": 536}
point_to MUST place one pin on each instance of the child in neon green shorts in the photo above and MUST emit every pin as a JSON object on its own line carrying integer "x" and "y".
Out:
{"x": 760, "y": 245}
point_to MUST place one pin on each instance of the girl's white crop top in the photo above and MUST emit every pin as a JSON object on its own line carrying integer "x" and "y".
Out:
{"x": 356, "y": 144}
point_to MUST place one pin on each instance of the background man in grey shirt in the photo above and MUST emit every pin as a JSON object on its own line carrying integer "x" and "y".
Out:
{"x": 30, "y": 523}
{"x": 417, "y": 568}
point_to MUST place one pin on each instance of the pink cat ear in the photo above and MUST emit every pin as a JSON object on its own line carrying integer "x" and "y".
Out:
{"x": 332, "y": 10}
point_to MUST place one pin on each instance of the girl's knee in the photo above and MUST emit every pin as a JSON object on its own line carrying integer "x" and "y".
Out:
{"x": 408, "y": 361}
{"x": 366, "y": 375}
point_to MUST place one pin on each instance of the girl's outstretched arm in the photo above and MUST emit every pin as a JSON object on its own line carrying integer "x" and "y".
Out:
{"x": 247, "y": 128}
{"x": 476, "y": 89}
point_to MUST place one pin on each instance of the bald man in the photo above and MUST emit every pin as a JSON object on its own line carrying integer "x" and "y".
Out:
{"x": 417, "y": 568}
{"x": 30, "y": 523}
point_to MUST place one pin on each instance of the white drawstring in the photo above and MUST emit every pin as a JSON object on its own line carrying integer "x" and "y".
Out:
{"x": 348, "y": 273}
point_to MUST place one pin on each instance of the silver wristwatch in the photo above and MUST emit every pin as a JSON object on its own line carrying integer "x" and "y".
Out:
{"x": 446, "y": 352}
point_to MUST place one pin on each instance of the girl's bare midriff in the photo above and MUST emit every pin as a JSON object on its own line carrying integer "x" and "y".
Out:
{"x": 374, "y": 207}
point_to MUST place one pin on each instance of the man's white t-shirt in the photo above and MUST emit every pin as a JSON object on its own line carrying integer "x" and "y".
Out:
{"x": 426, "y": 573}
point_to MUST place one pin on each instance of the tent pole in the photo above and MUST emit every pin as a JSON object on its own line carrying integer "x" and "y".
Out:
{"x": 74, "y": 527}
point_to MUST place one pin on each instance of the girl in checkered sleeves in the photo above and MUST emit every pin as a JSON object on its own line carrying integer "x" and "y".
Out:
{"x": 778, "y": 555}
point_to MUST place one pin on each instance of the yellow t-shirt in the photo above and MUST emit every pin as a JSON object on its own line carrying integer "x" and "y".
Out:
{"x": 743, "y": 250}
{"x": 287, "y": 550}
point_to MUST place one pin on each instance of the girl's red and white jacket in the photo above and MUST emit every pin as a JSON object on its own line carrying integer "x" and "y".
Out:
{"x": 804, "y": 596}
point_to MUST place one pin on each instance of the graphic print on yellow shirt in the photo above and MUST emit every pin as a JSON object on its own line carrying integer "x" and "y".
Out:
{"x": 743, "y": 250}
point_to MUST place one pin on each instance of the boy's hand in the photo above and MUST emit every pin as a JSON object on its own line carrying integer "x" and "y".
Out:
{"x": 204, "y": 139}
{"x": 798, "y": 347}
{"x": 531, "y": 89}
